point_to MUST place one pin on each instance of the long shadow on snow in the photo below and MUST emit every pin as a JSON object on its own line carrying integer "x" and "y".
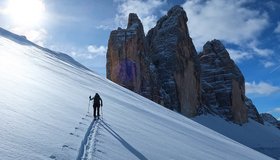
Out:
{"x": 123, "y": 142}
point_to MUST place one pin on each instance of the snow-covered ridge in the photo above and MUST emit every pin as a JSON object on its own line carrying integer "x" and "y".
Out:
{"x": 24, "y": 41}
{"x": 44, "y": 105}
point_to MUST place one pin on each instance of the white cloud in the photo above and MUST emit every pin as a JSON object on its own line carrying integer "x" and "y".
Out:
{"x": 73, "y": 54}
{"x": 105, "y": 27}
{"x": 37, "y": 36}
{"x": 262, "y": 52}
{"x": 82, "y": 53}
{"x": 95, "y": 50}
{"x": 259, "y": 51}
{"x": 272, "y": 5}
{"x": 238, "y": 55}
{"x": 261, "y": 88}
{"x": 229, "y": 21}
{"x": 276, "y": 110}
{"x": 144, "y": 9}
{"x": 277, "y": 29}
{"x": 268, "y": 64}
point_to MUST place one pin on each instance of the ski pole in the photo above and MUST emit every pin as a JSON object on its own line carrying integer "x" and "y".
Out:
{"x": 88, "y": 104}
{"x": 102, "y": 112}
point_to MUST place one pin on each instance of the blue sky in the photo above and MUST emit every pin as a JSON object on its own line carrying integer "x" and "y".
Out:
{"x": 250, "y": 30}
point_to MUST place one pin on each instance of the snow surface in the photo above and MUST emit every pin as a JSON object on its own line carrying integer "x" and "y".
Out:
{"x": 264, "y": 138}
{"x": 44, "y": 104}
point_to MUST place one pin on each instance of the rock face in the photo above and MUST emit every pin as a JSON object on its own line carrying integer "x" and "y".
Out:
{"x": 223, "y": 90}
{"x": 252, "y": 111}
{"x": 223, "y": 86}
{"x": 126, "y": 62}
{"x": 175, "y": 59}
{"x": 162, "y": 66}
{"x": 270, "y": 119}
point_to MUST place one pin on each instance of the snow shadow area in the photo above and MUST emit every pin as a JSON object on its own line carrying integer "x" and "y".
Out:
{"x": 133, "y": 150}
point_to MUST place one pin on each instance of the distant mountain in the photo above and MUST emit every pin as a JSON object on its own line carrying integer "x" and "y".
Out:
{"x": 268, "y": 118}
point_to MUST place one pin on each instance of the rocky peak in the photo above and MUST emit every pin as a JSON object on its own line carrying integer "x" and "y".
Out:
{"x": 175, "y": 59}
{"x": 177, "y": 11}
{"x": 270, "y": 119}
{"x": 133, "y": 21}
{"x": 215, "y": 54}
{"x": 216, "y": 47}
{"x": 176, "y": 17}
{"x": 252, "y": 111}
{"x": 126, "y": 62}
{"x": 222, "y": 83}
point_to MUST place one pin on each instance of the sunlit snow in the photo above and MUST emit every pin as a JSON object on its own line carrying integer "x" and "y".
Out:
{"x": 44, "y": 103}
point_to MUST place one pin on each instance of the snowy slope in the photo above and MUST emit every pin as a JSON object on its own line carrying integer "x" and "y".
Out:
{"x": 264, "y": 138}
{"x": 44, "y": 103}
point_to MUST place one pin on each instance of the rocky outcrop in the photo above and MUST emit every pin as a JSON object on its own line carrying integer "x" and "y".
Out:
{"x": 270, "y": 119}
{"x": 127, "y": 64}
{"x": 162, "y": 66}
{"x": 252, "y": 111}
{"x": 223, "y": 90}
{"x": 175, "y": 59}
{"x": 223, "y": 86}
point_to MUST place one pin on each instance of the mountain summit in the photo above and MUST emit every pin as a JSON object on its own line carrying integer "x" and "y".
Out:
{"x": 163, "y": 66}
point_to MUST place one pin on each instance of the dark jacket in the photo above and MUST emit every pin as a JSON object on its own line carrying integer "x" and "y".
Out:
{"x": 97, "y": 101}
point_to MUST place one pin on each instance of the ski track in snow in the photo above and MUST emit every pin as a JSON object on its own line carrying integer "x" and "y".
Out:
{"x": 88, "y": 144}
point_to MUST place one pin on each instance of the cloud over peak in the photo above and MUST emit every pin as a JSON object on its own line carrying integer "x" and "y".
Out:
{"x": 230, "y": 21}
{"x": 146, "y": 11}
{"x": 238, "y": 55}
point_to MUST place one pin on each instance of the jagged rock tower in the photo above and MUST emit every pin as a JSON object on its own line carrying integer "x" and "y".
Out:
{"x": 126, "y": 57}
{"x": 162, "y": 66}
{"x": 223, "y": 86}
{"x": 175, "y": 59}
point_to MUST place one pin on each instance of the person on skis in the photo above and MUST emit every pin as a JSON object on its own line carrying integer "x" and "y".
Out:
{"x": 97, "y": 101}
